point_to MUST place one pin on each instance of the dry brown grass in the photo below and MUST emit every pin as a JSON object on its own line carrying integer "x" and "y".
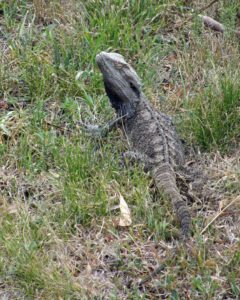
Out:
{"x": 59, "y": 238}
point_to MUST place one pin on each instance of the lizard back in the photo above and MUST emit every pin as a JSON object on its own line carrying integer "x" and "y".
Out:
{"x": 151, "y": 135}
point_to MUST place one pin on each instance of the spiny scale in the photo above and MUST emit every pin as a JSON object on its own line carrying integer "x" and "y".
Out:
{"x": 153, "y": 139}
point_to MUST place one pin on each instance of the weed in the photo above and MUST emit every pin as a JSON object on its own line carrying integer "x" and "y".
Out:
{"x": 60, "y": 188}
{"x": 215, "y": 117}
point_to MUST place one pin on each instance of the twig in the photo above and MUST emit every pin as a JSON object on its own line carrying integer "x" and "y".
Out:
{"x": 201, "y": 9}
{"x": 154, "y": 273}
{"x": 213, "y": 24}
{"x": 57, "y": 126}
{"x": 198, "y": 11}
{"x": 154, "y": 18}
{"x": 219, "y": 214}
{"x": 160, "y": 268}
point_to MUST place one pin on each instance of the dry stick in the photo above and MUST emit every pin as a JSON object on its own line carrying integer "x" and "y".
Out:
{"x": 210, "y": 22}
{"x": 57, "y": 126}
{"x": 149, "y": 277}
{"x": 213, "y": 24}
{"x": 219, "y": 214}
{"x": 206, "y": 6}
{"x": 158, "y": 270}
{"x": 154, "y": 273}
{"x": 198, "y": 11}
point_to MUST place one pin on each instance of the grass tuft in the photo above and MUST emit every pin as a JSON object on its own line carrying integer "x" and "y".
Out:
{"x": 214, "y": 117}
{"x": 60, "y": 188}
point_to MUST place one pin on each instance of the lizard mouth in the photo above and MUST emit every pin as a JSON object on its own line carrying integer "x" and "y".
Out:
{"x": 99, "y": 58}
{"x": 100, "y": 61}
{"x": 108, "y": 59}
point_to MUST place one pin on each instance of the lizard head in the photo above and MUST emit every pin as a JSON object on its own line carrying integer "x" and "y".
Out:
{"x": 122, "y": 83}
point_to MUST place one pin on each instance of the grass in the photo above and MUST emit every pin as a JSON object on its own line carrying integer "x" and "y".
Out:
{"x": 215, "y": 119}
{"x": 60, "y": 188}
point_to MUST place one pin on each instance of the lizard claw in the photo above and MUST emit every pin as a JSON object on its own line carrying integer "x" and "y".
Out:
{"x": 93, "y": 130}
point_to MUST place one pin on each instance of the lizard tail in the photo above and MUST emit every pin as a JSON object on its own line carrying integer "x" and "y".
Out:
{"x": 184, "y": 216}
{"x": 166, "y": 181}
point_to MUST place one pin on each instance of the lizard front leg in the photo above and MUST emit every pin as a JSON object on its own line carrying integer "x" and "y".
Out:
{"x": 138, "y": 158}
{"x": 98, "y": 131}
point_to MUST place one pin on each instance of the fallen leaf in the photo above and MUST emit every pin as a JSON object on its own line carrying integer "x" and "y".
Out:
{"x": 125, "y": 214}
{"x": 88, "y": 269}
{"x": 12, "y": 209}
{"x": 79, "y": 74}
{"x": 3, "y": 105}
{"x": 211, "y": 264}
{"x": 54, "y": 174}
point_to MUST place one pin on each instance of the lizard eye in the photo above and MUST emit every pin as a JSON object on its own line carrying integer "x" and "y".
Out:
{"x": 119, "y": 65}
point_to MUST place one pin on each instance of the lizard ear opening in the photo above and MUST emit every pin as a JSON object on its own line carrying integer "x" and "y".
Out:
{"x": 135, "y": 88}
